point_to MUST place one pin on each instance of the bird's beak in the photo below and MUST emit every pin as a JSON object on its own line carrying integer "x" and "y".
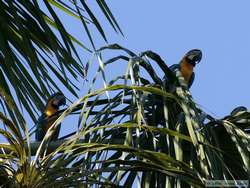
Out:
{"x": 194, "y": 56}
{"x": 59, "y": 101}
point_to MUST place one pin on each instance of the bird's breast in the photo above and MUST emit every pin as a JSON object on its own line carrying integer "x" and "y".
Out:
{"x": 186, "y": 71}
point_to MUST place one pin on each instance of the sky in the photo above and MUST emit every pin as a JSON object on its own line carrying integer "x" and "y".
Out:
{"x": 171, "y": 28}
{"x": 220, "y": 29}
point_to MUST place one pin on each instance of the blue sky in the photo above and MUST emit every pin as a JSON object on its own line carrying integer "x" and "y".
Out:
{"x": 220, "y": 29}
{"x": 171, "y": 28}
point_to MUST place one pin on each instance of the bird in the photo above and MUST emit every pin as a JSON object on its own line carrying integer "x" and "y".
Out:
{"x": 48, "y": 117}
{"x": 187, "y": 64}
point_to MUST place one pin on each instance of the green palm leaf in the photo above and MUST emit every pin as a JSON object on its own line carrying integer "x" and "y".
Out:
{"x": 138, "y": 129}
{"x": 29, "y": 42}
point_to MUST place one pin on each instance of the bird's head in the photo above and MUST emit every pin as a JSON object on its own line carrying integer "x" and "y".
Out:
{"x": 56, "y": 100}
{"x": 193, "y": 57}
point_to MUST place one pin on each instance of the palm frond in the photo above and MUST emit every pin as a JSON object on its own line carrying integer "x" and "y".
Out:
{"x": 146, "y": 130}
{"x": 37, "y": 52}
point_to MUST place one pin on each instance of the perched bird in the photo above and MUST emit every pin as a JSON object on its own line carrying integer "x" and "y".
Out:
{"x": 187, "y": 64}
{"x": 47, "y": 119}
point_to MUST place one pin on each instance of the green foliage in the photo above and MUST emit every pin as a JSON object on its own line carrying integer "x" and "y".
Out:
{"x": 137, "y": 129}
{"x": 37, "y": 54}
{"x": 142, "y": 133}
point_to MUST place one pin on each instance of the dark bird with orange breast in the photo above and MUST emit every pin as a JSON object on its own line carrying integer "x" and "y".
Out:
{"x": 49, "y": 116}
{"x": 187, "y": 64}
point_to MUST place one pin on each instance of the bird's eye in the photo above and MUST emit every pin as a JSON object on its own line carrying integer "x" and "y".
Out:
{"x": 194, "y": 56}
{"x": 194, "y": 60}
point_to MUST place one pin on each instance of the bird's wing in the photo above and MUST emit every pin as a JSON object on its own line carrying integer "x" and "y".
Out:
{"x": 40, "y": 127}
{"x": 168, "y": 81}
{"x": 191, "y": 80}
{"x": 174, "y": 67}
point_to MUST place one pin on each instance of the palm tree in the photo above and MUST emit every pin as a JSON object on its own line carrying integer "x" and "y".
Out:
{"x": 133, "y": 131}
